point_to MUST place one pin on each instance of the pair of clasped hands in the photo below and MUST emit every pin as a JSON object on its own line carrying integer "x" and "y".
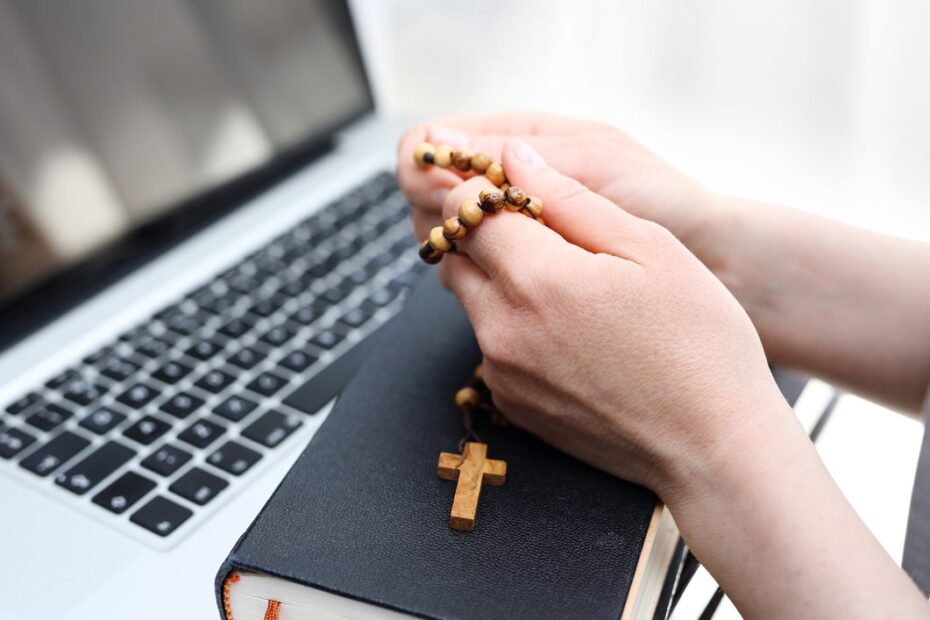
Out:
{"x": 611, "y": 334}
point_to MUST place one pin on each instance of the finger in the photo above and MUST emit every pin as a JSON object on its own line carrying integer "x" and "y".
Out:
{"x": 582, "y": 217}
{"x": 504, "y": 242}
{"x": 425, "y": 187}
{"x": 465, "y": 279}
{"x": 423, "y": 221}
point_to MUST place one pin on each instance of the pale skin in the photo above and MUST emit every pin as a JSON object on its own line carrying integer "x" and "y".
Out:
{"x": 632, "y": 332}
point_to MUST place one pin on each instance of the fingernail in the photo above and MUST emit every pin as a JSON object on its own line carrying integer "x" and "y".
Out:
{"x": 443, "y": 135}
{"x": 526, "y": 154}
{"x": 439, "y": 196}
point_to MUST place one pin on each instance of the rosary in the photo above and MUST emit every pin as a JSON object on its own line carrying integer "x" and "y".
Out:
{"x": 471, "y": 468}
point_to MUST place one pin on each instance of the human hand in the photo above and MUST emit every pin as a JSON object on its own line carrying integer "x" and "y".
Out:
{"x": 601, "y": 157}
{"x": 604, "y": 336}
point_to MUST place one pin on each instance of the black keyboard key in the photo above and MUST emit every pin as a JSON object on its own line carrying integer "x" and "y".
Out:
{"x": 98, "y": 355}
{"x": 334, "y": 295}
{"x": 94, "y": 467}
{"x": 237, "y": 327}
{"x": 265, "y": 307}
{"x": 46, "y": 459}
{"x": 48, "y": 416}
{"x": 201, "y": 433}
{"x": 185, "y": 324}
{"x": 235, "y": 408}
{"x": 63, "y": 378}
{"x": 380, "y": 298}
{"x": 297, "y": 361}
{"x": 182, "y": 405}
{"x": 152, "y": 347}
{"x": 267, "y": 384}
{"x": 83, "y": 392}
{"x": 272, "y": 428}
{"x": 147, "y": 430}
{"x": 124, "y": 492}
{"x": 161, "y": 516}
{"x": 291, "y": 289}
{"x": 234, "y": 458}
{"x": 166, "y": 460}
{"x": 277, "y": 336}
{"x": 198, "y": 486}
{"x": 118, "y": 369}
{"x": 246, "y": 358}
{"x": 172, "y": 372}
{"x": 356, "y": 317}
{"x": 243, "y": 283}
{"x": 137, "y": 396}
{"x": 306, "y": 314}
{"x": 204, "y": 350}
{"x": 328, "y": 338}
{"x": 214, "y": 381}
{"x": 24, "y": 403}
{"x": 13, "y": 441}
{"x": 102, "y": 420}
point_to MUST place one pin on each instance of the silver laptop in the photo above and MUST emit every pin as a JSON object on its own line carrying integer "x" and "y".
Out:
{"x": 199, "y": 237}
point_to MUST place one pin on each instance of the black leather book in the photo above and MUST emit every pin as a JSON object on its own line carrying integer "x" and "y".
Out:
{"x": 360, "y": 525}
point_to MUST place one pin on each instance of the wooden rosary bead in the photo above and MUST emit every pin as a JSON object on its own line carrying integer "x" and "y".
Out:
{"x": 428, "y": 254}
{"x": 453, "y": 229}
{"x": 461, "y": 159}
{"x": 438, "y": 241}
{"x": 470, "y": 213}
{"x": 515, "y": 196}
{"x": 467, "y": 397}
{"x": 480, "y": 162}
{"x": 424, "y": 153}
{"x": 495, "y": 174}
{"x": 533, "y": 207}
{"x": 479, "y": 372}
{"x": 490, "y": 200}
{"x": 443, "y": 156}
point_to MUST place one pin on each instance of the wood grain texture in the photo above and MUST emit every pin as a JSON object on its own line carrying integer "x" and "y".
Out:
{"x": 471, "y": 470}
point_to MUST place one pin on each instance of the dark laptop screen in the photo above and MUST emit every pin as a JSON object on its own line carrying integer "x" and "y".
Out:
{"x": 114, "y": 113}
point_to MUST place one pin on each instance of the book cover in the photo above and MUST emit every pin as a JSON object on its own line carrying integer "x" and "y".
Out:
{"x": 362, "y": 513}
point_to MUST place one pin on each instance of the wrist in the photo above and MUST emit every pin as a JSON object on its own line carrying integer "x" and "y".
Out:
{"x": 758, "y": 430}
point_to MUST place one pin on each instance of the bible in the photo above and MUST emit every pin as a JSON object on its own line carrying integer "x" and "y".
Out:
{"x": 359, "y": 528}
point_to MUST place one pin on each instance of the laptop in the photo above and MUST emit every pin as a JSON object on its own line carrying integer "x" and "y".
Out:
{"x": 199, "y": 236}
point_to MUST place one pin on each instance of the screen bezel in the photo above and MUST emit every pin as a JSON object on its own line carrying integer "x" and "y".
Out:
{"x": 51, "y": 297}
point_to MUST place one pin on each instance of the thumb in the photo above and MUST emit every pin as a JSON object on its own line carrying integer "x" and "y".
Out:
{"x": 584, "y": 218}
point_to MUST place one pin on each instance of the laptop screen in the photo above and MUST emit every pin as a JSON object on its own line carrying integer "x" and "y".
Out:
{"x": 112, "y": 114}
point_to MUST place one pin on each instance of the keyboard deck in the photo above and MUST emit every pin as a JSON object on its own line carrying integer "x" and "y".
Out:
{"x": 155, "y": 425}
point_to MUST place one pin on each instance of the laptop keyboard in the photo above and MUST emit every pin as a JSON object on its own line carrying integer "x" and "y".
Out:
{"x": 158, "y": 423}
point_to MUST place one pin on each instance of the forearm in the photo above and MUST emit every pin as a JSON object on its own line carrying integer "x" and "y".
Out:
{"x": 771, "y": 526}
{"x": 850, "y": 305}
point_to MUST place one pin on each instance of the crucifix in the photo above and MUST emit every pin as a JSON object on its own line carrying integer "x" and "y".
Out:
{"x": 471, "y": 469}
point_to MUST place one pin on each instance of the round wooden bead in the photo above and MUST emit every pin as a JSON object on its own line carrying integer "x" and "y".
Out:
{"x": 470, "y": 213}
{"x": 428, "y": 254}
{"x": 479, "y": 372}
{"x": 480, "y": 162}
{"x": 424, "y": 153}
{"x": 533, "y": 206}
{"x": 495, "y": 174}
{"x": 461, "y": 159}
{"x": 438, "y": 241}
{"x": 491, "y": 200}
{"x": 467, "y": 397}
{"x": 515, "y": 196}
{"x": 453, "y": 229}
{"x": 443, "y": 156}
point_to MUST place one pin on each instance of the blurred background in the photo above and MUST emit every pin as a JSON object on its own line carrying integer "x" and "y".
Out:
{"x": 823, "y": 105}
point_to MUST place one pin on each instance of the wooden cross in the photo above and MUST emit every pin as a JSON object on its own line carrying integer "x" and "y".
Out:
{"x": 471, "y": 469}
